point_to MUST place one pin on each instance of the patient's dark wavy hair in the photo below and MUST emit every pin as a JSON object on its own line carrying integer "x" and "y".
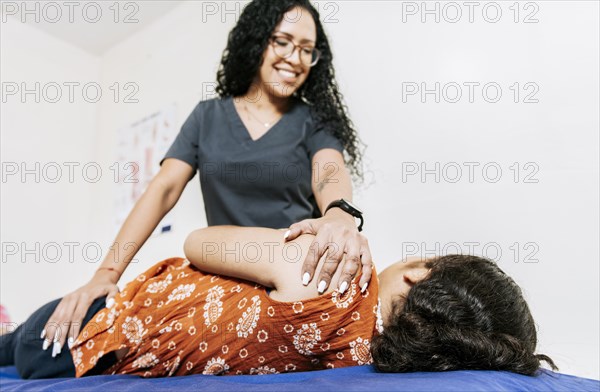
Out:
{"x": 466, "y": 314}
{"x": 242, "y": 58}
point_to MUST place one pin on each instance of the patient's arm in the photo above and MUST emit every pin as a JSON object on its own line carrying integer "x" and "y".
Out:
{"x": 257, "y": 254}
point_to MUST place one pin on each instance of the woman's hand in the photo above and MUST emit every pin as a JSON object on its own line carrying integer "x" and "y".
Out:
{"x": 66, "y": 320}
{"x": 337, "y": 234}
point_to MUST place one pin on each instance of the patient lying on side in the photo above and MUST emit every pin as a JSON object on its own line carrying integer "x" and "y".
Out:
{"x": 236, "y": 305}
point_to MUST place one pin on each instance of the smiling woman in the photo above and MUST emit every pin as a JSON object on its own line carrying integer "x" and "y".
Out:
{"x": 275, "y": 149}
{"x": 284, "y": 69}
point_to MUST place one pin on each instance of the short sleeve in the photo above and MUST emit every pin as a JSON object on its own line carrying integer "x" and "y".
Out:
{"x": 185, "y": 145}
{"x": 321, "y": 138}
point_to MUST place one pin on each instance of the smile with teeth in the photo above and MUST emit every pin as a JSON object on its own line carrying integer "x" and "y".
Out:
{"x": 286, "y": 74}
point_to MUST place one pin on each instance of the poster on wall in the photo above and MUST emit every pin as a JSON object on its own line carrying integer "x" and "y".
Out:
{"x": 141, "y": 146}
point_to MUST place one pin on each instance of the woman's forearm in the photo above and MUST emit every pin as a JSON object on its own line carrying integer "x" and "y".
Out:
{"x": 146, "y": 214}
{"x": 257, "y": 254}
{"x": 331, "y": 179}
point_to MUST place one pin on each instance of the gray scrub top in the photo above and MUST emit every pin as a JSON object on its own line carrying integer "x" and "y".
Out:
{"x": 264, "y": 182}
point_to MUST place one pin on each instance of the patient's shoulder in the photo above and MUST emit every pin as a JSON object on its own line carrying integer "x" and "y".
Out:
{"x": 288, "y": 285}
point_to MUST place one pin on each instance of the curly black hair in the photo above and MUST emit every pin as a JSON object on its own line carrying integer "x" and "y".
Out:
{"x": 242, "y": 58}
{"x": 467, "y": 314}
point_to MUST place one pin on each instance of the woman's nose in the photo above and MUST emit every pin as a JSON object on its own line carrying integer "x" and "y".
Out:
{"x": 294, "y": 58}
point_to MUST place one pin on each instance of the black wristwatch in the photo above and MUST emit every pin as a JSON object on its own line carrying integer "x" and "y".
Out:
{"x": 349, "y": 208}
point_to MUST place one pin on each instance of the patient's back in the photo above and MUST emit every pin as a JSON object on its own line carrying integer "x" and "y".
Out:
{"x": 176, "y": 320}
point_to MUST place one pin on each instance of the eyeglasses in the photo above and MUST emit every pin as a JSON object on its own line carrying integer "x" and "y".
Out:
{"x": 285, "y": 47}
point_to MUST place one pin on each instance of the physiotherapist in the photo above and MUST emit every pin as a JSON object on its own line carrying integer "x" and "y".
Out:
{"x": 269, "y": 152}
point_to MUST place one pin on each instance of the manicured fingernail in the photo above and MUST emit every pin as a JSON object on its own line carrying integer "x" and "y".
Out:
{"x": 56, "y": 349}
{"x": 362, "y": 290}
{"x": 70, "y": 342}
{"x": 46, "y": 344}
{"x": 305, "y": 278}
{"x": 110, "y": 303}
{"x": 56, "y": 335}
{"x": 321, "y": 287}
{"x": 343, "y": 287}
{"x": 43, "y": 335}
{"x": 286, "y": 235}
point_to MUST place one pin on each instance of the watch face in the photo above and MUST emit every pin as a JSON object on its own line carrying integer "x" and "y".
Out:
{"x": 353, "y": 206}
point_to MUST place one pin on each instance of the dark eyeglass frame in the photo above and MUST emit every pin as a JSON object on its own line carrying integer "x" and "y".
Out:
{"x": 314, "y": 49}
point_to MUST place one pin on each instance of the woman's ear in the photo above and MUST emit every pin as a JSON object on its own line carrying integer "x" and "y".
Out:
{"x": 415, "y": 275}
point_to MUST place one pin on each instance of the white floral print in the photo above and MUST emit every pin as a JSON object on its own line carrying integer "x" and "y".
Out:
{"x": 228, "y": 331}
{"x": 203, "y": 346}
{"x": 263, "y": 370}
{"x": 77, "y": 357}
{"x": 175, "y": 366}
{"x": 262, "y": 336}
{"x": 249, "y": 319}
{"x": 181, "y": 292}
{"x": 133, "y": 328}
{"x": 145, "y": 361}
{"x": 216, "y": 366}
{"x": 360, "y": 351}
{"x": 213, "y": 308}
{"x": 344, "y": 300}
{"x": 160, "y": 286}
{"x": 379, "y": 322}
{"x": 298, "y": 307}
{"x": 306, "y": 338}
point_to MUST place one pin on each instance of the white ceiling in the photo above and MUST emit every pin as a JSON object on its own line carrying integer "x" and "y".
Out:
{"x": 97, "y": 37}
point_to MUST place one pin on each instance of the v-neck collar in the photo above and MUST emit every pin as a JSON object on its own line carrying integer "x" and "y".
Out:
{"x": 240, "y": 130}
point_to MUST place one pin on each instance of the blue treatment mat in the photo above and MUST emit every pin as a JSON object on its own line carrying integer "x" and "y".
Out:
{"x": 358, "y": 378}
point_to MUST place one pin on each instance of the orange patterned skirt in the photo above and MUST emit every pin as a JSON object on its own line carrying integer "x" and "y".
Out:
{"x": 176, "y": 320}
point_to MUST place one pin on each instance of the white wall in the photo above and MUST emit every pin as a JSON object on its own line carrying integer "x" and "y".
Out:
{"x": 41, "y": 214}
{"x": 556, "y": 217}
